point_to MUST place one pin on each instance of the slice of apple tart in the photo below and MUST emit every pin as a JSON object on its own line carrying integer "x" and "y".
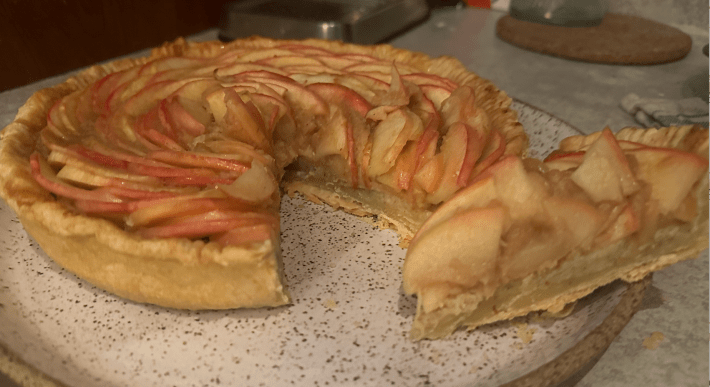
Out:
{"x": 529, "y": 235}
{"x": 158, "y": 178}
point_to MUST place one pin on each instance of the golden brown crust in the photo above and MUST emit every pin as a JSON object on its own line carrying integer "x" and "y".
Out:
{"x": 177, "y": 272}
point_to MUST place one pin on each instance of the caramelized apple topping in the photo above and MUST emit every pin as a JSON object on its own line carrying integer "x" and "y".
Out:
{"x": 194, "y": 147}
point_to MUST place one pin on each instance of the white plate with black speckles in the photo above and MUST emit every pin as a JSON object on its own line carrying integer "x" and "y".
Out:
{"x": 348, "y": 324}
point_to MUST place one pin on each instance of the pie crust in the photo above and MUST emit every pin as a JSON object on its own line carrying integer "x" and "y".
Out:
{"x": 179, "y": 272}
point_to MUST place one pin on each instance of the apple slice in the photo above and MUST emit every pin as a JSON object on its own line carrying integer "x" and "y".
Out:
{"x": 429, "y": 175}
{"x": 341, "y": 96}
{"x": 201, "y": 227}
{"x": 282, "y": 61}
{"x": 521, "y": 192}
{"x": 234, "y": 148}
{"x": 581, "y": 219}
{"x": 389, "y": 138}
{"x": 149, "y": 212}
{"x": 625, "y": 224}
{"x": 477, "y": 195}
{"x": 605, "y": 173}
{"x": 460, "y": 107}
{"x": 492, "y": 152}
{"x": 45, "y": 177}
{"x": 563, "y": 161}
{"x": 305, "y": 49}
{"x": 194, "y": 159}
{"x": 240, "y": 68}
{"x": 66, "y": 157}
{"x": 421, "y": 79}
{"x": 434, "y": 259}
{"x": 475, "y": 141}
{"x": 670, "y": 173}
{"x": 192, "y": 121}
{"x": 436, "y": 94}
{"x": 240, "y": 120}
{"x": 453, "y": 150}
{"x": 256, "y": 185}
{"x": 298, "y": 95}
{"x": 247, "y": 234}
{"x": 94, "y": 207}
{"x": 331, "y": 137}
{"x": 336, "y": 62}
{"x": 257, "y": 55}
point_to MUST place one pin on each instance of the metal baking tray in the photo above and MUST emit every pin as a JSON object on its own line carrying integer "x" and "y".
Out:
{"x": 363, "y": 21}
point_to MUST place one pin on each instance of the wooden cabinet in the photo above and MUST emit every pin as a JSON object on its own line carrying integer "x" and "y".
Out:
{"x": 40, "y": 38}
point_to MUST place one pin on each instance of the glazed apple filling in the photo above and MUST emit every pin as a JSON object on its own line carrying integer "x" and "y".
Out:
{"x": 196, "y": 147}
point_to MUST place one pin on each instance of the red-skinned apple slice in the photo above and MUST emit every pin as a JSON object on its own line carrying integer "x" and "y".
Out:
{"x": 522, "y": 193}
{"x": 194, "y": 159}
{"x": 182, "y": 120}
{"x": 256, "y": 185}
{"x": 233, "y": 148}
{"x": 389, "y": 138}
{"x": 44, "y": 176}
{"x": 453, "y": 151}
{"x": 290, "y": 60}
{"x": 429, "y": 175}
{"x": 421, "y": 79}
{"x": 342, "y": 96}
{"x": 61, "y": 156}
{"x": 240, "y": 68}
{"x": 605, "y": 173}
{"x": 625, "y": 224}
{"x": 149, "y": 212}
{"x": 248, "y": 234}
{"x": 257, "y": 55}
{"x": 563, "y": 161}
{"x": 305, "y": 49}
{"x": 434, "y": 259}
{"x": 239, "y": 121}
{"x": 436, "y": 94}
{"x": 460, "y": 107}
{"x": 493, "y": 151}
{"x": 671, "y": 174}
{"x": 145, "y": 194}
{"x": 297, "y": 94}
{"x": 335, "y": 61}
{"x": 477, "y": 195}
{"x": 95, "y": 207}
{"x": 200, "y": 228}
{"x": 475, "y": 141}
{"x": 376, "y": 83}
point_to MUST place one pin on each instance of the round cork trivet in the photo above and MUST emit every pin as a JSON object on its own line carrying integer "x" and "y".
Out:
{"x": 619, "y": 39}
{"x": 557, "y": 371}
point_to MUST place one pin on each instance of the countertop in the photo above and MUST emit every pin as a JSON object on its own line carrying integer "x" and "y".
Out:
{"x": 586, "y": 96}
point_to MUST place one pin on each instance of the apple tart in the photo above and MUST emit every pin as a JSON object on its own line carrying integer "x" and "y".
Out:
{"x": 159, "y": 178}
{"x": 537, "y": 235}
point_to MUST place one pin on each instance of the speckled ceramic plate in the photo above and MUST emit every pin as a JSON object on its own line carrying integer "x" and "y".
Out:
{"x": 348, "y": 324}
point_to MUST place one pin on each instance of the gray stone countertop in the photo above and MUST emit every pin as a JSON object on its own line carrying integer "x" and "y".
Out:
{"x": 586, "y": 96}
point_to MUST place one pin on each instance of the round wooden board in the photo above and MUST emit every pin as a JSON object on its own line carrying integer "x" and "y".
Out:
{"x": 587, "y": 351}
{"x": 619, "y": 39}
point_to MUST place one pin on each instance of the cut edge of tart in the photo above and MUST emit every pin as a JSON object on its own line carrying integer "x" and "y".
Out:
{"x": 604, "y": 207}
{"x": 181, "y": 272}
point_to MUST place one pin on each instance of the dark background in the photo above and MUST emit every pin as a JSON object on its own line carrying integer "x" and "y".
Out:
{"x": 39, "y": 38}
